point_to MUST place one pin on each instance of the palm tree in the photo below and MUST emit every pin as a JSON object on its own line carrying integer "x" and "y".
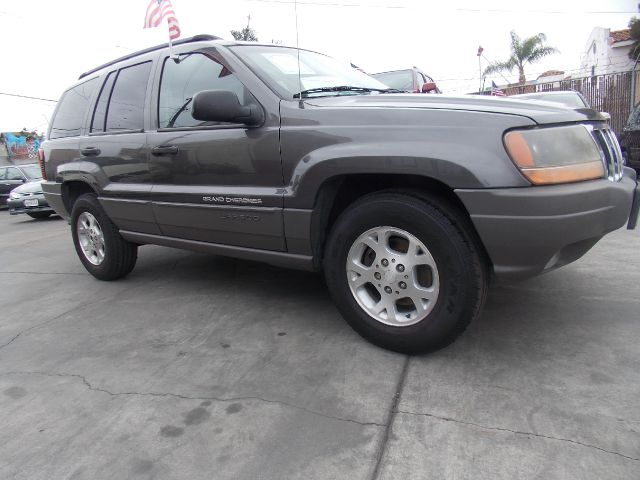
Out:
{"x": 529, "y": 50}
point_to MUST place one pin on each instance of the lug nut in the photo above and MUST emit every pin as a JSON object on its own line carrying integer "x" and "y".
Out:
{"x": 377, "y": 275}
{"x": 385, "y": 262}
{"x": 402, "y": 285}
{"x": 388, "y": 289}
{"x": 400, "y": 267}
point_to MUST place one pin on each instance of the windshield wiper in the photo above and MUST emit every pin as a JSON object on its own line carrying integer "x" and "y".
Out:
{"x": 346, "y": 88}
{"x": 178, "y": 112}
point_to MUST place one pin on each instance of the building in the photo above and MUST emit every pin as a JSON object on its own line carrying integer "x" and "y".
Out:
{"x": 606, "y": 52}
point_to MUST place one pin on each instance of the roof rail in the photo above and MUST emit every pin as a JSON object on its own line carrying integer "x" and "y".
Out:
{"x": 196, "y": 38}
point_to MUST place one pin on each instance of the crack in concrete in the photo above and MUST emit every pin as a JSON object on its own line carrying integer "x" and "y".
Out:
{"x": 200, "y": 398}
{"x": 391, "y": 415}
{"x": 518, "y": 432}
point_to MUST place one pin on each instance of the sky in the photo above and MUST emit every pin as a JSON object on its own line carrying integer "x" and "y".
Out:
{"x": 48, "y": 44}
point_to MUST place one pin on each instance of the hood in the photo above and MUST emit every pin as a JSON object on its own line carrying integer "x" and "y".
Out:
{"x": 539, "y": 112}
{"x": 29, "y": 187}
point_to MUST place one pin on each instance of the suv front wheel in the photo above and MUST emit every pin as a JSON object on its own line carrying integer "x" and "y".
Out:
{"x": 99, "y": 245}
{"x": 405, "y": 271}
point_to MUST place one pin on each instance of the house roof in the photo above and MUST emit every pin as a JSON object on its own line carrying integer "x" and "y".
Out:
{"x": 620, "y": 35}
{"x": 551, "y": 73}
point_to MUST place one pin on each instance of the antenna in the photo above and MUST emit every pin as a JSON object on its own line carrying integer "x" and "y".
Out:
{"x": 295, "y": 7}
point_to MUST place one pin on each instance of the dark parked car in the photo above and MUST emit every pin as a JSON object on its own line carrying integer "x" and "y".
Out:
{"x": 411, "y": 80}
{"x": 12, "y": 176}
{"x": 408, "y": 203}
{"x": 28, "y": 198}
{"x": 630, "y": 139}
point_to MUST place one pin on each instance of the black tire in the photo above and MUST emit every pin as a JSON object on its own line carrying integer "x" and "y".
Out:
{"x": 463, "y": 272}
{"x": 39, "y": 215}
{"x": 120, "y": 255}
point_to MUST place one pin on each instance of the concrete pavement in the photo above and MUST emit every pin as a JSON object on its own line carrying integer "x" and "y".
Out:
{"x": 204, "y": 367}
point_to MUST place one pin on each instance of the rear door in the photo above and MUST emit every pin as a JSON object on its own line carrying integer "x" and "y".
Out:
{"x": 218, "y": 183}
{"x": 117, "y": 145}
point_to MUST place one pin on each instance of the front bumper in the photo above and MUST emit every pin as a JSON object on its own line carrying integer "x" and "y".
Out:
{"x": 17, "y": 206}
{"x": 527, "y": 231}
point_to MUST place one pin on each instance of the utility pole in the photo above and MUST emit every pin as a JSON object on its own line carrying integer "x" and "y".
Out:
{"x": 480, "y": 50}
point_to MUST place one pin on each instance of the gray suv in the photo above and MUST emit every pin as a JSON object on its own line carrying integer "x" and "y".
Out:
{"x": 408, "y": 203}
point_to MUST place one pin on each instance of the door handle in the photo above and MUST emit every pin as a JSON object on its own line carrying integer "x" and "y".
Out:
{"x": 90, "y": 151}
{"x": 164, "y": 150}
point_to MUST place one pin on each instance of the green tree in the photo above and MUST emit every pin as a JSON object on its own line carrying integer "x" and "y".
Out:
{"x": 247, "y": 34}
{"x": 634, "y": 26}
{"x": 529, "y": 50}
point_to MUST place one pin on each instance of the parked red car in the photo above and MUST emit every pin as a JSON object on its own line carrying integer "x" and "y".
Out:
{"x": 411, "y": 80}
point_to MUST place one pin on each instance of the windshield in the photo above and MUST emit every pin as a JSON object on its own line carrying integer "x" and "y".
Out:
{"x": 278, "y": 67}
{"x": 568, "y": 99}
{"x": 400, "y": 79}
{"x": 32, "y": 172}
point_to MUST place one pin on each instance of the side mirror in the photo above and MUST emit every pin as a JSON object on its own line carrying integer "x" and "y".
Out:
{"x": 429, "y": 87}
{"x": 224, "y": 106}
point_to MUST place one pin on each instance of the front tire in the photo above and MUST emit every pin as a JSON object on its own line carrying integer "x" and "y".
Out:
{"x": 99, "y": 245}
{"x": 405, "y": 271}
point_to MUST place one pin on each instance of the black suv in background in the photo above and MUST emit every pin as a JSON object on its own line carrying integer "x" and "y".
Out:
{"x": 630, "y": 139}
{"x": 407, "y": 203}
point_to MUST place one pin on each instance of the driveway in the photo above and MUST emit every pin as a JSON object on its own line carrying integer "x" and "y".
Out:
{"x": 202, "y": 367}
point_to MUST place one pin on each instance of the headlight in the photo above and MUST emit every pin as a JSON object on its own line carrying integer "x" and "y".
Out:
{"x": 14, "y": 196}
{"x": 555, "y": 154}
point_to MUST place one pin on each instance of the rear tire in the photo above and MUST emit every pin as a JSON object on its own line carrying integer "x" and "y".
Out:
{"x": 99, "y": 245}
{"x": 39, "y": 215}
{"x": 386, "y": 233}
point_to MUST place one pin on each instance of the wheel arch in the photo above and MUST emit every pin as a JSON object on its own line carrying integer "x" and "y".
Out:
{"x": 337, "y": 193}
{"x": 72, "y": 189}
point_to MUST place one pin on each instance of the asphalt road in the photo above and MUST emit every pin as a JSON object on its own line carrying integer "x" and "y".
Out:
{"x": 201, "y": 367}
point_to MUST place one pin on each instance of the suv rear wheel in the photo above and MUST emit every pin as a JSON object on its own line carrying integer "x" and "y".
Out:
{"x": 405, "y": 271}
{"x": 99, "y": 245}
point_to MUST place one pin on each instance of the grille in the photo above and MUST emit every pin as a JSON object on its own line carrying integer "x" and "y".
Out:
{"x": 610, "y": 153}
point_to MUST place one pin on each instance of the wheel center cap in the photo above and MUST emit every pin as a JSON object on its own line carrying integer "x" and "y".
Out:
{"x": 389, "y": 275}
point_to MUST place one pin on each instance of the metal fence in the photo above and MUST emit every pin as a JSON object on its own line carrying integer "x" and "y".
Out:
{"x": 611, "y": 93}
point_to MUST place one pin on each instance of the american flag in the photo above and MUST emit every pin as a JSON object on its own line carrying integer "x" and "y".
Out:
{"x": 157, "y": 11}
{"x": 495, "y": 90}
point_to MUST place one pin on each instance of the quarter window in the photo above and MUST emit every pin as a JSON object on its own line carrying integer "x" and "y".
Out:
{"x": 181, "y": 81}
{"x": 126, "y": 106}
{"x": 72, "y": 110}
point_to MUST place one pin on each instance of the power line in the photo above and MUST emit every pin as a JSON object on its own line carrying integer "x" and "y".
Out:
{"x": 28, "y": 97}
{"x": 472, "y": 10}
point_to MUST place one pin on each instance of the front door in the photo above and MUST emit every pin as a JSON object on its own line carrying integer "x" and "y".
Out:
{"x": 218, "y": 183}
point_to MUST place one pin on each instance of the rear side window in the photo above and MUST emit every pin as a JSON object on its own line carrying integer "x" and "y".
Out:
{"x": 99, "y": 121}
{"x": 181, "y": 81}
{"x": 72, "y": 110}
{"x": 126, "y": 106}
{"x": 14, "y": 174}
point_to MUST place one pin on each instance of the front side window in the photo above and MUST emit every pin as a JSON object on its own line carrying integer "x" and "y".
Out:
{"x": 72, "y": 109}
{"x": 14, "y": 174}
{"x": 180, "y": 82}
{"x": 126, "y": 107}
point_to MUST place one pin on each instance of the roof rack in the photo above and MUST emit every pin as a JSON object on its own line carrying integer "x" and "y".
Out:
{"x": 195, "y": 38}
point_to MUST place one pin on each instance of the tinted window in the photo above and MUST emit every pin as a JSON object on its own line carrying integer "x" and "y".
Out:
{"x": 72, "y": 110}
{"x": 14, "y": 174}
{"x": 402, "y": 80}
{"x": 126, "y": 108}
{"x": 181, "y": 81}
{"x": 100, "y": 114}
